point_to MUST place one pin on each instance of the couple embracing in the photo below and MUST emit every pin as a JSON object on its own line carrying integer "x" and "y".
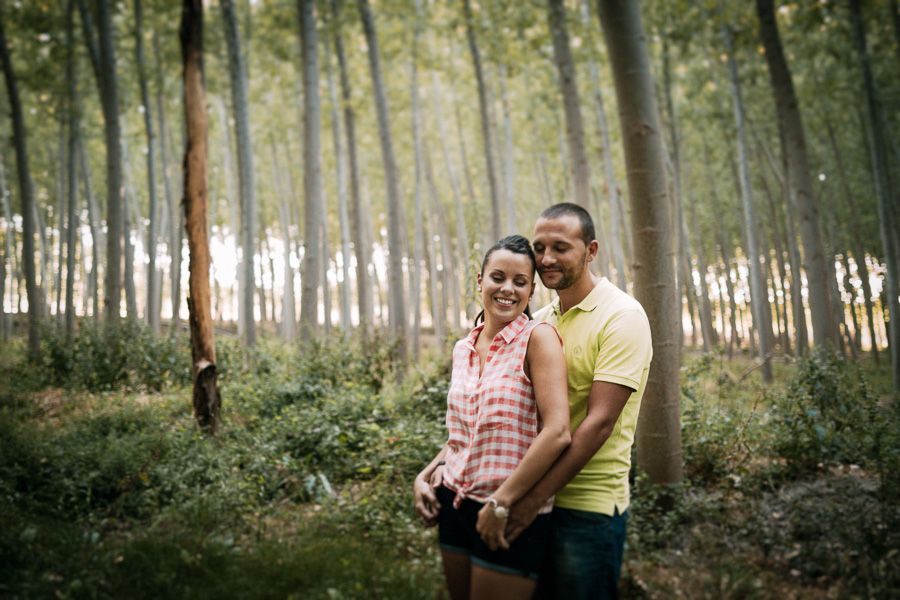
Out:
{"x": 530, "y": 492}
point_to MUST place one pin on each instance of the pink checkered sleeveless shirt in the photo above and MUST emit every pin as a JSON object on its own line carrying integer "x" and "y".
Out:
{"x": 492, "y": 419}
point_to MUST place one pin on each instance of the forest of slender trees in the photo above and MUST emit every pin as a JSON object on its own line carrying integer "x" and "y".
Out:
{"x": 740, "y": 161}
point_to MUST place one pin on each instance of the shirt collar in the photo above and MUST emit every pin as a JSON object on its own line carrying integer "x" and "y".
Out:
{"x": 588, "y": 303}
{"x": 508, "y": 333}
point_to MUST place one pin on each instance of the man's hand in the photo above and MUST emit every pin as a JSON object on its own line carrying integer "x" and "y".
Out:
{"x": 490, "y": 528}
{"x": 521, "y": 515}
{"x": 427, "y": 505}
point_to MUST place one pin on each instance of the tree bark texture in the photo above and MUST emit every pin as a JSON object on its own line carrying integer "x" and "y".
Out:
{"x": 659, "y": 429}
{"x": 237, "y": 70}
{"x": 798, "y": 176}
{"x": 487, "y": 138}
{"x": 115, "y": 189}
{"x": 152, "y": 309}
{"x": 207, "y": 402}
{"x": 71, "y": 169}
{"x": 26, "y": 191}
{"x": 396, "y": 220}
{"x": 568, "y": 89}
{"x": 312, "y": 186}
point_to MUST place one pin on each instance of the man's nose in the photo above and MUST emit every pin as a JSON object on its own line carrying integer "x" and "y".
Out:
{"x": 547, "y": 258}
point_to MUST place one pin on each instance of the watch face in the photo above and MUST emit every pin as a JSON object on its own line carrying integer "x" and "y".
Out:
{"x": 501, "y": 512}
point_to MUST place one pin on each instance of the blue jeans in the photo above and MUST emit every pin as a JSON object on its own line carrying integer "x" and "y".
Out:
{"x": 585, "y": 555}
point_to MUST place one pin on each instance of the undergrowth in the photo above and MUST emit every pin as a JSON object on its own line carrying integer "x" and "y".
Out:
{"x": 107, "y": 489}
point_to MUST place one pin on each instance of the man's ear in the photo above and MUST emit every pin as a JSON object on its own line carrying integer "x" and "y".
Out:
{"x": 592, "y": 249}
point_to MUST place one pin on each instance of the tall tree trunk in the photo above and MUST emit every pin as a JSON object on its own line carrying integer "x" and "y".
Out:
{"x": 152, "y": 309}
{"x": 71, "y": 167}
{"x": 238, "y": 74}
{"x": 115, "y": 188}
{"x": 462, "y": 235}
{"x": 396, "y": 219}
{"x": 496, "y": 230}
{"x": 61, "y": 211}
{"x": 418, "y": 219}
{"x": 449, "y": 280}
{"x": 886, "y": 204}
{"x": 129, "y": 209}
{"x": 857, "y": 237}
{"x": 509, "y": 157}
{"x": 357, "y": 227}
{"x": 854, "y": 316}
{"x": 288, "y": 317}
{"x": 617, "y": 222}
{"x": 798, "y": 175}
{"x": 659, "y": 430}
{"x": 8, "y": 255}
{"x": 705, "y": 307}
{"x": 759, "y": 297}
{"x": 26, "y": 193}
{"x": 340, "y": 161}
{"x": 312, "y": 187}
{"x": 207, "y": 402}
{"x": 97, "y": 240}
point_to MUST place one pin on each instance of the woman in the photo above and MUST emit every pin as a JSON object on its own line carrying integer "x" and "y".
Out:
{"x": 508, "y": 420}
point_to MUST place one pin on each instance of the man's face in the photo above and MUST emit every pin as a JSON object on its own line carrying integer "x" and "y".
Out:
{"x": 562, "y": 256}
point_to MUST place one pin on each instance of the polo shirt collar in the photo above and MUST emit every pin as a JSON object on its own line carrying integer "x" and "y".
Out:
{"x": 588, "y": 303}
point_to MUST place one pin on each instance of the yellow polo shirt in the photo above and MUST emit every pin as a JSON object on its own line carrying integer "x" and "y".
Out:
{"x": 606, "y": 338}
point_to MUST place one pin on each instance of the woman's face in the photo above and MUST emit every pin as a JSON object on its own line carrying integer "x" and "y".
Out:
{"x": 506, "y": 284}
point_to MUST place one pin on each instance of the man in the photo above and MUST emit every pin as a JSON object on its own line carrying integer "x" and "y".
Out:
{"x": 607, "y": 344}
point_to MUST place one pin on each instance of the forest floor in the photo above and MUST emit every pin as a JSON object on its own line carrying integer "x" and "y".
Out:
{"x": 108, "y": 490}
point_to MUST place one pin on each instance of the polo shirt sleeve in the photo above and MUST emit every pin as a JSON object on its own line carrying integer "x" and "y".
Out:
{"x": 624, "y": 350}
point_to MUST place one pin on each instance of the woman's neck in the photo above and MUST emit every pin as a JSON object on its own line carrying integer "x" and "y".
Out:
{"x": 492, "y": 327}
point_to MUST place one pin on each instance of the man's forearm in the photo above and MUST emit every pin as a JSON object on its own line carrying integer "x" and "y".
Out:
{"x": 587, "y": 439}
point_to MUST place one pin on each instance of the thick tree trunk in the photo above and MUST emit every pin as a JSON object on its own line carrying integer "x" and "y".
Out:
{"x": 357, "y": 228}
{"x": 759, "y": 297}
{"x": 312, "y": 187}
{"x": 115, "y": 188}
{"x": 207, "y": 402}
{"x": 486, "y": 136}
{"x": 396, "y": 220}
{"x": 886, "y": 204}
{"x": 26, "y": 192}
{"x": 659, "y": 430}
{"x": 238, "y": 75}
{"x": 798, "y": 175}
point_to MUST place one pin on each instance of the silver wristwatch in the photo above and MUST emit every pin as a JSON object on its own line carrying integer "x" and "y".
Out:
{"x": 501, "y": 512}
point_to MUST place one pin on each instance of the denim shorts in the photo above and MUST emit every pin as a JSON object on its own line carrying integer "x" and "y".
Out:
{"x": 585, "y": 558}
{"x": 456, "y": 533}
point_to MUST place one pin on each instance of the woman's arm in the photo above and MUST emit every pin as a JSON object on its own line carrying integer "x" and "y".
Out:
{"x": 427, "y": 505}
{"x": 547, "y": 369}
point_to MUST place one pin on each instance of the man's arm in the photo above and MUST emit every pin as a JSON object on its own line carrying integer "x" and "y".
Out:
{"x": 605, "y": 404}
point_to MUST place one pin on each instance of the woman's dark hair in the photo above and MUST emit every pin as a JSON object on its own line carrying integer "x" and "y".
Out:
{"x": 516, "y": 244}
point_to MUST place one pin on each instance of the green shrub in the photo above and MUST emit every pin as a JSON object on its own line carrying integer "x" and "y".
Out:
{"x": 127, "y": 355}
{"x": 828, "y": 415}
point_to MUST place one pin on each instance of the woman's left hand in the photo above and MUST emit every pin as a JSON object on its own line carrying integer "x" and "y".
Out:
{"x": 491, "y": 528}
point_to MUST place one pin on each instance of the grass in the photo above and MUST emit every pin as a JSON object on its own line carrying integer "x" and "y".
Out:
{"x": 306, "y": 491}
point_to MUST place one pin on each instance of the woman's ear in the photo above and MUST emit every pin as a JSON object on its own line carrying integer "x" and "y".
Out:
{"x": 478, "y": 279}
